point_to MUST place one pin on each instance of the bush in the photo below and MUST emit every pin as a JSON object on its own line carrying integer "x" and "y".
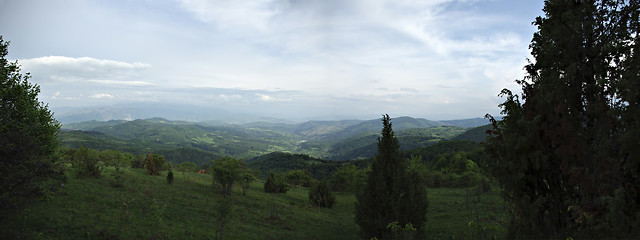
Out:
{"x": 320, "y": 195}
{"x": 150, "y": 165}
{"x": 187, "y": 167}
{"x": 85, "y": 163}
{"x": 276, "y": 184}
{"x": 170, "y": 175}
{"x": 298, "y": 177}
{"x": 138, "y": 161}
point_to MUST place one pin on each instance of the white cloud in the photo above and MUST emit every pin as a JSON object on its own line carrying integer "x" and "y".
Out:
{"x": 69, "y": 69}
{"x": 102, "y": 96}
{"x": 424, "y": 57}
{"x": 267, "y": 98}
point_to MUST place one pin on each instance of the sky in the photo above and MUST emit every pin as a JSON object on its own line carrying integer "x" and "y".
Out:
{"x": 308, "y": 59}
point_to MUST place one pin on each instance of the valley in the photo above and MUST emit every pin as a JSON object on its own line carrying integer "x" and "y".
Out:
{"x": 200, "y": 142}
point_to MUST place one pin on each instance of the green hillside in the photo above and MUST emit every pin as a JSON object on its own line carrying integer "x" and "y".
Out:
{"x": 146, "y": 207}
{"x": 476, "y": 134}
{"x": 185, "y": 141}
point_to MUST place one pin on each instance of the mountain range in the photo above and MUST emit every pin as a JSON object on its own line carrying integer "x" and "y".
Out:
{"x": 201, "y": 141}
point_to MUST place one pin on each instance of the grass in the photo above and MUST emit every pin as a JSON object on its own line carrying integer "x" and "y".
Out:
{"x": 464, "y": 213}
{"x": 146, "y": 207}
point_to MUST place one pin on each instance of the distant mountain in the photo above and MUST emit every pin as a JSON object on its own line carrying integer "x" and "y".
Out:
{"x": 374, "y": 126}
{"x": 213, "y": 116}
{"x": 334, "y": 140}
{"x": 88, "y": 125}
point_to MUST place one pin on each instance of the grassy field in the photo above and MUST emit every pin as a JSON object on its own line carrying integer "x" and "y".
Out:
{"x": 146, "y": 207}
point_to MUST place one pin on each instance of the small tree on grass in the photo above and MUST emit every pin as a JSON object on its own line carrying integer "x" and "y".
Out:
{"x": 246, "y": 178}
{"x": 85, "y": 163}
{"x": 276, "y": 184}
{"x": 150, "y": 165}
{"x": 320, "y": 195}
{"x": 226, "y": 171}
{"x": 169, "y": 174}
{"x": 298, "y": 177}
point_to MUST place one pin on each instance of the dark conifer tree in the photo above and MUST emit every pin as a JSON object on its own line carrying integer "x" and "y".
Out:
{"x": 557, "y": 153}
{"x": 389, "y": 195}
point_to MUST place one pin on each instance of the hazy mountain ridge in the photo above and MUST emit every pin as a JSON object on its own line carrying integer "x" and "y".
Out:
{"x": 331, "y": 140}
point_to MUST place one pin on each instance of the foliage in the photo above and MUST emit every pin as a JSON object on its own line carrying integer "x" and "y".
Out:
{"x": 348, "y": 178}
{"x": 226, "y": 171}
{"x": 115, "y": 158}
{"x": 454, "y": 169}
{"x": 150, "y": 166}
{"x": 169, "y": 174}
{"x": 118, "y": 176}
{"x": 138, "y": 161}
{"x": 282, "y": 162}
{"x": 187, "y": 167}
{"x": 276, "y": 184}
{"x": 320, "y": 195}
{"x": 390, "y": 193}
{"x": 566, "y": 151}
{"x": 246, "y": 178}
{"x": 400, "y": 232}
{"x": 86, "y": 163}
{"x": 298, "y": 177}
{"x": 29, "y": 168}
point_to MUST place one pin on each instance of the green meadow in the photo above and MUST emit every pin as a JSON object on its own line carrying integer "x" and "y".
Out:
{"x": 147, "y": 207}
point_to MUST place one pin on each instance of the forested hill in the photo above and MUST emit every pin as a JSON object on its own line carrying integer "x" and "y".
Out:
{"x": 197, "y": 142}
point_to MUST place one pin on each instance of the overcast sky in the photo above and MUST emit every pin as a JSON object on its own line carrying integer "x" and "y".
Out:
{"x": 435, "y": 59}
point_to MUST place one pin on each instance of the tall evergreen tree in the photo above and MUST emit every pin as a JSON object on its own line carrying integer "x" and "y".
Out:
{"x": 557, "y": 153}
{"x": 389, "y": 194}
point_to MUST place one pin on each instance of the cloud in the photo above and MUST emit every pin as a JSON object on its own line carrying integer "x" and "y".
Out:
{"x": 102, "y": 96}
{"x": 69, "y": 69}
{"x": 267, "y": 98}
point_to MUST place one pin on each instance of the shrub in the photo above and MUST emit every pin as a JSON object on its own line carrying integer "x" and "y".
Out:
{"x": 85, "y": 163}
{"x": 150, "y": 165}
{"x": 320, "y": 195}
{"x": 169, "y": 175}
{"x": 187, "y": 167}
{"x": 138, "y": 161}
{"x": 298, "y": 177}
{"x": 276, "y": 184}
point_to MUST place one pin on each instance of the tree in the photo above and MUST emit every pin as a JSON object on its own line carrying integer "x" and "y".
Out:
{"x": 29, "y": 166}
{"x": 150, "y": 165}
{"x": 389, "y": 194}
{"x": 86, "y": 163}
{"x": 320, "y": 195}
{"x": 226, "y": 171}
{"x": 560, "y": 151}
{"x": 169, "y": 174}
{"x": 298, "y": 177}
{"x": 347, "y": 178}
{"x": 246, "y": 178}
{"x": 276, "y": 184}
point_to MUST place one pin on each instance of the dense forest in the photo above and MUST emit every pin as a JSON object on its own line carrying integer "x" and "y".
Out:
{"x": 561, "y": 162}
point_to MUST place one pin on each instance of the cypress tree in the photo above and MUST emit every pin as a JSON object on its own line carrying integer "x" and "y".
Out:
{"x": 389, "y": 195}
{"x": 559, "y": 152}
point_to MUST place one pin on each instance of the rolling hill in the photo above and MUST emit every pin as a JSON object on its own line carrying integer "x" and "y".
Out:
{"x": 189, "y": 141}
